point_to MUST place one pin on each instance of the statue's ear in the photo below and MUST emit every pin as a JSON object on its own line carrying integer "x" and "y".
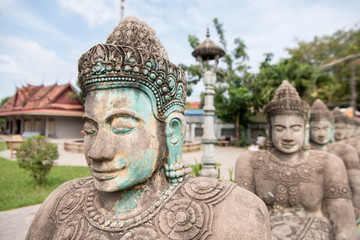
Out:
{"x": 175, "y": 130}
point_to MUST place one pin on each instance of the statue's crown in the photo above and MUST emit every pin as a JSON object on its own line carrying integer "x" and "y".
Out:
{"x": 319, "y": 110}
{"x": 339, "y": 117}
{"x": 134, "y": 57}
{"x": 286, "y": 100}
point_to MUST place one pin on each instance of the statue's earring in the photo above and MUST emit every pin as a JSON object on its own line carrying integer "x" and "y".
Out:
{"x": 306, "y": 145}
{"x": 268, "y": 145}
{"x": 175, "y": 169}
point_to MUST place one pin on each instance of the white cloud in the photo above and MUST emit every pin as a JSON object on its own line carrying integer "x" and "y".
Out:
{"x": 96, "y": 12}
{"x": 25, "y": 61}
{"x": 6, "y": 4}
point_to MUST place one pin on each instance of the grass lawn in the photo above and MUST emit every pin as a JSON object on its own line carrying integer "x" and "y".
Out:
{"x": 17, "y": 188}
{"x": 3, "y": 146}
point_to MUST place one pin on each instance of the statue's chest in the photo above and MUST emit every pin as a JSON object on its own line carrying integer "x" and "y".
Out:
{"x": 184, "y": 212}
{"x": 289, "y": 186}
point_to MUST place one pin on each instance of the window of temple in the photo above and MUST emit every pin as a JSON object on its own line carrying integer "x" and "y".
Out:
{"x": 199, "y": 132}
{"x": 37, "y": 125}
{"x": 51, "y": 127}
{"x": 228, "y": 132}
{"x": 27, "y": 125}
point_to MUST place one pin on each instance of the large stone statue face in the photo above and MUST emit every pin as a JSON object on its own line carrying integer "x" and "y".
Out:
{"x": 288, "y": 132}
{"x": 340, "y": 131}
{"x": 121, "y": 143}
{"x": 320, "y": 131}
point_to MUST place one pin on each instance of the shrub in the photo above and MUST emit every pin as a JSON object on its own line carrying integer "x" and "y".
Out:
{"x": 37, "y": 155}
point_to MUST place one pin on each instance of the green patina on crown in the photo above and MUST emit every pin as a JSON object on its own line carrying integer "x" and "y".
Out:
{"x": 134, "y": 57}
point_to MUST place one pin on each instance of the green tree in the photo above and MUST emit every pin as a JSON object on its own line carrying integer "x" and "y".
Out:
{"x": 37, "y": 155}
{"x": 231, "y": 94}
{"x": 2, "y": 120}
{"x": 4, "y": 100}
{"x": 326, "y": 49}
{"x": 308, "y": 81}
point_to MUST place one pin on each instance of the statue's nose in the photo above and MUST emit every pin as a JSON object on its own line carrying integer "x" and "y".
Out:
{"x": 102, "y": 148}
{"x": 288, "y": 136}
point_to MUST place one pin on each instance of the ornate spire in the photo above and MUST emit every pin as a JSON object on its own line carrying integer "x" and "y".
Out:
{"x": 134, "y": 33}
{"x": 208, "y": 50}
{"x": 133, "y": 55}
{"x": 286, "y": 100}
{"x": 319, "y": 110}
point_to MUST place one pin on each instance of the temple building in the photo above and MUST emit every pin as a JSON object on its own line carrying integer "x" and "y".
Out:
{"x": 46, "y": 110}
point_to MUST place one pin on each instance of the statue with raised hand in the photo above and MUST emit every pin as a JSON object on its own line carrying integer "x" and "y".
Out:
{"x": 134, "y": 125}
{"x": 306, "y": 191}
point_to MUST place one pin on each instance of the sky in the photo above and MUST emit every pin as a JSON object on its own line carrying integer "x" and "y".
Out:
{"x": 41, "y": 40}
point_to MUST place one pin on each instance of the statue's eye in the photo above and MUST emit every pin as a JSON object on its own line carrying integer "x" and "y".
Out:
{"x": 121, "y": 129}
{"x": 89, "y": 129}
{"x": 279, "y": 128}
{"x": 296, "y": 128}
{"x": 122, "y": 124}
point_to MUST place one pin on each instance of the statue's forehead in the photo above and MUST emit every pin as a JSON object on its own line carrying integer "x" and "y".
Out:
{"x": 106, "y": 102}
{"x": 321, "y": 121}
{"x": 287, "y": 119}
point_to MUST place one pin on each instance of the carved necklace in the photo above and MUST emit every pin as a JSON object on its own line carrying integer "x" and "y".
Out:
{"x": 98, "y": 220}
{"x": 275, "y": 159}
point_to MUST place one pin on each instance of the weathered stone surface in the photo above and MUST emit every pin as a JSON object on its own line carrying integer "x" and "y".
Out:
{"x": 139, "y": 188}
{"x": 304, "y": 190}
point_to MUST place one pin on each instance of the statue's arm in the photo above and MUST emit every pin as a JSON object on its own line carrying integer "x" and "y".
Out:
{"x": 43, "y": 226}
{"x": 338, "y": 199}
{"x": 244, "y": 172}
{"x": 242, "y": 215}
{"x": 354, "y": 181}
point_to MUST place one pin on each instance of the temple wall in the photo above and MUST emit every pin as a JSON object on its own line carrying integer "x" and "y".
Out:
{"x": 68, "y": 127}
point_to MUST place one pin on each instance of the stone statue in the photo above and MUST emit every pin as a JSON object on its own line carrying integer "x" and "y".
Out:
{"x": 304, "y": 190}
{"x": 345, "y": 130}
{"x": 320, "y": 136}
{"x": 134, "y": 126}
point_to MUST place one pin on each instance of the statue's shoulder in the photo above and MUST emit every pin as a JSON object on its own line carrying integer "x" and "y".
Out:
{"x": 255, "y": 159}
{"x": 318, "y": 158}
{"x": 63, "y": 201}
{"x": 69, "y": 187}
{"x": 347, "y": 153}
{"x": 223, "y": 204}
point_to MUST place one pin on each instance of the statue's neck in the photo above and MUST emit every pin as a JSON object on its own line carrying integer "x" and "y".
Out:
{"x": 319, "y": 146}
{"x": 135, "y": 200}
{"x": 291, "y": 158}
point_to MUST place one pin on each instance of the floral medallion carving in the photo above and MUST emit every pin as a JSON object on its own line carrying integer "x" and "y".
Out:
{"x": 72, "y": 230}
{"x": 146, "y": 232}
{"x": 182, "y": 218}
{"x": 207, "y": 189}
{"x": 287, "y": 176}
{"x": 71, "y": 201}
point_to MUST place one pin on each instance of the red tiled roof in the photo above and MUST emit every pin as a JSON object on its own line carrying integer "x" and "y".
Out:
{"x": 53, "y": 97}
{"x": 194, "y": 105}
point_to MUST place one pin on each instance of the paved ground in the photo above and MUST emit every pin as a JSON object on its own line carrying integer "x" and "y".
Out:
{"x": 15, "y": 223}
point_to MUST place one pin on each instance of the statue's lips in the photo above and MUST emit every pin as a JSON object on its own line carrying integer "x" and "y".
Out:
{"x": 288, "y": 146}
{"x": 105, "y": 174}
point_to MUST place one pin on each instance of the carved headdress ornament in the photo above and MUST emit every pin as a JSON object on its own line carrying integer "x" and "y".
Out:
{"x": 340, "y": 117}
{"x": 134, "y": 57}
{"x": 287, "y": 100}
{"x": 319, "y": 110}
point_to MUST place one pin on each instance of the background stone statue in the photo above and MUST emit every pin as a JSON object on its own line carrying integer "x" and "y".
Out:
{"x": 134, "y": 127}
{"x": 306, "y": 191}
{"x": 321, "y": 130}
